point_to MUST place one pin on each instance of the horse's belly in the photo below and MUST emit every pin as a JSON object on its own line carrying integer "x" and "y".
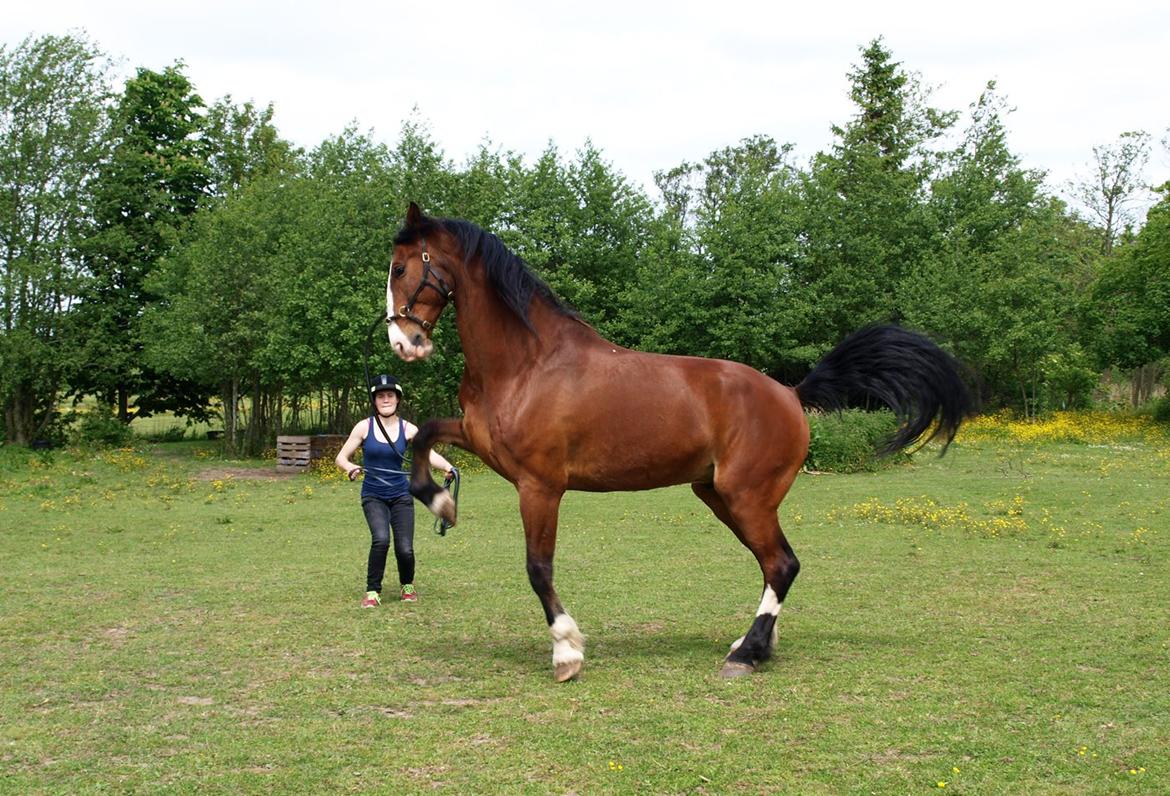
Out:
{"x": 621, "y": 471}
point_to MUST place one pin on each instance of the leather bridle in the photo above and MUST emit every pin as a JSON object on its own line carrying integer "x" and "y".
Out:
{"x": 406, "y": 311}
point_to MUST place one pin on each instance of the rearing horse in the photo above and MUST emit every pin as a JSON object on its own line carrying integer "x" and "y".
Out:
{"x": 542, "y": 393}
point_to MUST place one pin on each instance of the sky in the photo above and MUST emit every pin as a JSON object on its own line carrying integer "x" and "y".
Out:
{"x": 651, "y": 84}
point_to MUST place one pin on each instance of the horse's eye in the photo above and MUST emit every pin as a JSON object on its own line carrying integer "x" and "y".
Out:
{"x": 398, "y": 271}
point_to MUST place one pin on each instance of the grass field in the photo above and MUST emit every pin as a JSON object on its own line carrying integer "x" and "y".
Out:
{"x": 996, "y": 621}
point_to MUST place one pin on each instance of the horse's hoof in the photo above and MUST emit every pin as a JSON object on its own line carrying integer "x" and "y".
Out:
{"x": 569, "y": 670}
{"x": 443, "y": 507}
{"x": 733, "y": 669}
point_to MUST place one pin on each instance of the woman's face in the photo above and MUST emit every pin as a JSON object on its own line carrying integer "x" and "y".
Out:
{"x": 386, "y": 402}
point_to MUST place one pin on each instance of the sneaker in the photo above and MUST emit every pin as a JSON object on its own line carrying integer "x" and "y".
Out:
{"x": 373, "y": 600}
{"x": 408, "y": 595}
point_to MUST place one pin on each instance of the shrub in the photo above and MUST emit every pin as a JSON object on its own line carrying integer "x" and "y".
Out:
{"x": 175, "y": 433}
{"x": 97, "y": 428}
{"x": 1162, "y": 409}
{"x": 1069, "y": 379}
{"x": 847, "y": 442}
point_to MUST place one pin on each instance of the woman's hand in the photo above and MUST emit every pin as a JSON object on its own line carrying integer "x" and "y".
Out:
{"x": 354, "y": 473}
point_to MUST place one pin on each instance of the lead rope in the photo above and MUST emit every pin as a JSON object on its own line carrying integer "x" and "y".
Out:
{"x": 451, "y": 483}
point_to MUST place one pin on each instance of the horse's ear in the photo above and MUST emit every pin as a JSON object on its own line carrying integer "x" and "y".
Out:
{"x": 413, "y": 215}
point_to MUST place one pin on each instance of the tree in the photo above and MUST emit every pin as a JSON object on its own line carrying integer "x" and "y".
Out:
{"x": 332, "y": 268}
{"x": 981, "y": 197}
{"x": 243, "y": 144}
{"x": 1131, "y": 299}
{"x": 866, "y": 225}
{"x": 53, "y": 93}
{"x": 729, "y": 275}
{"x": 154, "y": 181}
{"x": 209, "y": 293}
{"x": 604, "y": 219}
{"x": 1115, "y": 183}
{"x": 214, "y": 291}
{"x": 1024, "y": 300}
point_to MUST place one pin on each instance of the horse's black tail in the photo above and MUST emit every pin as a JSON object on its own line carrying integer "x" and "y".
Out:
{"x": 896, "y": 368}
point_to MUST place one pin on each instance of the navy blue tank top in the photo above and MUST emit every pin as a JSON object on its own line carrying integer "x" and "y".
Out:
{"x": 381, "y": 461}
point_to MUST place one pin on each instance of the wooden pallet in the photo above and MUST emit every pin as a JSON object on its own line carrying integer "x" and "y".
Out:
{"x": 294, "y": 453}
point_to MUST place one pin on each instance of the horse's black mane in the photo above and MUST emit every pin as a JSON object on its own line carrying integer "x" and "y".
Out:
{"x": 513, "y": 279}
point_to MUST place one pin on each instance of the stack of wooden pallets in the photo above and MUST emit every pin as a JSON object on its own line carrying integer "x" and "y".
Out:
{"x": 295, "y": 453}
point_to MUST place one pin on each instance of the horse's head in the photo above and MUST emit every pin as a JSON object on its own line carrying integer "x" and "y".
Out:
{"x": 420, "y": 283}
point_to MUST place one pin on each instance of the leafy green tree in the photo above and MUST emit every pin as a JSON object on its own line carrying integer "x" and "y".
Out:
{"x": 982, "y": 197}
{"x": 1131, "y": 296}
{"x": 243, "y": 144}
{"x": 1025, "y": 304}
{"x": 580, "y": 226}
{"x": 213, "y": 313}
{"x": 154, "y": 181}
{"x": 53, "y": 94}
{"x": 866, "y": 221}
{"x": 419, "y": 171}
{"x": 731, "y": 287}
{"x": 332, "y": 268}
{"x": 485, "y": 186}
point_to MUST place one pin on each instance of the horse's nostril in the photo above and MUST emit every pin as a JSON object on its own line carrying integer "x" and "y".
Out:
{"x": 417, "y": 341}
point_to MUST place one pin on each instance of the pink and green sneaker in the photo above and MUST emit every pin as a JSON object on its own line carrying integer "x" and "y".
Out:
{"x": 408, "y": 595}
{"x": 372, "y": 600}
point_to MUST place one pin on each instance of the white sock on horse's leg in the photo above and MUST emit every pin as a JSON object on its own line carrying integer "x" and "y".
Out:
{"x": 568, "y": 645}
{"x": 769, "y": 604}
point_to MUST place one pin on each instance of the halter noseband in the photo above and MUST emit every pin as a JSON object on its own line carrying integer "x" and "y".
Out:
{"x": 406, "y": 310}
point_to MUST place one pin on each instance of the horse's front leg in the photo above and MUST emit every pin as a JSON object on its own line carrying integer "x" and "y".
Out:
{"x": 422, "y": 486}
{"x": 538, "y": 510}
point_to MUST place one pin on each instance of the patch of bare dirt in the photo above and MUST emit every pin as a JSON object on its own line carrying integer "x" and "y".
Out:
{"x": 243, "y": 474}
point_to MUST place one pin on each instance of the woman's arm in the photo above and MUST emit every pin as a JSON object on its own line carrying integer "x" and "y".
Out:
{"x": 349, "y": 448}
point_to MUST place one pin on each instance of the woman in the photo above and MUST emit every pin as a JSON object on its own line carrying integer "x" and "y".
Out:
{"x": 386, "y": 500}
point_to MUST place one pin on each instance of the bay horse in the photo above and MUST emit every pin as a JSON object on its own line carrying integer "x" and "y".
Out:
{"x": 551, "y": 405}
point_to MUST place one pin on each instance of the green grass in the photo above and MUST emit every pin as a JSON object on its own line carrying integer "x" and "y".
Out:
{"x": 166, "y": 632}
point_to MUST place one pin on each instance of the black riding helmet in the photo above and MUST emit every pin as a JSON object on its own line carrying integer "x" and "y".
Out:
{"x": 383, "y": 383}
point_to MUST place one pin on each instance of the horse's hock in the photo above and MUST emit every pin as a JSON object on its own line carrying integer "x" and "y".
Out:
{"x": 294, "y": 454}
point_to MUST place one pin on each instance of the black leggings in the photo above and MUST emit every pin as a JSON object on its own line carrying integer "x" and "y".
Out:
{"x": 383, "y": 515}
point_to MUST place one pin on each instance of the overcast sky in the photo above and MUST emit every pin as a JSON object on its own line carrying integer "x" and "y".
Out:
{"x": 651, "y": 84}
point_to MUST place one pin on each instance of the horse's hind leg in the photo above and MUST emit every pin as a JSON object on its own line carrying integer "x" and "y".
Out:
{"x": 754, "y": 523}
{"x": 538, "y": 510}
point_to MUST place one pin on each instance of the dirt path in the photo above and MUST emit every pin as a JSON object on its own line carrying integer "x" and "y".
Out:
{"x": 244, "y": 473}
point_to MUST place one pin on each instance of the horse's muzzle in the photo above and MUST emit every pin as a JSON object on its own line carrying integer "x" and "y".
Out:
{"x": 409, "y": 348}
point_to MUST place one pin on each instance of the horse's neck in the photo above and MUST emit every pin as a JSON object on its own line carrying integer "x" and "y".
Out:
{"x": 499, "y": 348}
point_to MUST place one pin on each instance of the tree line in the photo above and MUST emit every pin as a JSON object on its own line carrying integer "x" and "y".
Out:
{"x": 157, "y": 253}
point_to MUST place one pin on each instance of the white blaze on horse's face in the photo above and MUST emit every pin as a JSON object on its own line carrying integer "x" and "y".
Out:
{"x": 407, "y": 348}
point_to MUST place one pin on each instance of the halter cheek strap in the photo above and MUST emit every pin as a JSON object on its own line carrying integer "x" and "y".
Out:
{"x": 406, "y": 311}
